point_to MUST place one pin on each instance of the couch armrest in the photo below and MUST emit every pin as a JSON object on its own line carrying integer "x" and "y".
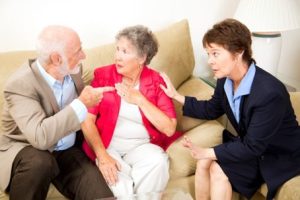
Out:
{"x": 290, "y": 190}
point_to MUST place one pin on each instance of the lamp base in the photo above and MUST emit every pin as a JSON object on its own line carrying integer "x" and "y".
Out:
{"x": 266, "y": 50}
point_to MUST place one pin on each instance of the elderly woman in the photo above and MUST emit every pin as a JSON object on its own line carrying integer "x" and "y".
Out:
{"x": 128, "y": 131}
{"x": 259, "y": 108}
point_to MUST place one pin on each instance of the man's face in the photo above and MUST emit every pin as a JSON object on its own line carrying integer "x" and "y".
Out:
{"x": 73, "y": 56}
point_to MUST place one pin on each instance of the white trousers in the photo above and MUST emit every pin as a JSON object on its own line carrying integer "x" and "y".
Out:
{"x": 144, "y": 169}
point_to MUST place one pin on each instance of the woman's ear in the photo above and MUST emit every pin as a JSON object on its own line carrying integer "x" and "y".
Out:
{"x": 142, "y": 59}
{"x": 239, "y": 55}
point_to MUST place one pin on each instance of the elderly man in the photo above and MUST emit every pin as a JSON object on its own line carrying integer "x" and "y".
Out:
{"x": 45, "y": 103}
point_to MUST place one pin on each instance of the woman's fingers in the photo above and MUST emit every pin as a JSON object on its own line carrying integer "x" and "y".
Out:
{"x": 110, "y": 174}
{"x": 109, "y": 168}
{"x": 166, "y": 79}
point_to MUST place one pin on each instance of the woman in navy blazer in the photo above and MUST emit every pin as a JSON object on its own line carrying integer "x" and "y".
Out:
{"x": 267, "y": 148}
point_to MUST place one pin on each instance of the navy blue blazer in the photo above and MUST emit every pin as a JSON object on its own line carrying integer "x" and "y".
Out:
{"x": 268, "y": 130}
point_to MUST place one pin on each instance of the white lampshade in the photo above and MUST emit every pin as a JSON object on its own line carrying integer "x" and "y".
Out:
{"x": 266, "y": 19}
{"x": 269, "y": 15}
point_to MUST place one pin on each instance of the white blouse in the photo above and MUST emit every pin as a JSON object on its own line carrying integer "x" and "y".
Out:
{"x": 130, "y": 131}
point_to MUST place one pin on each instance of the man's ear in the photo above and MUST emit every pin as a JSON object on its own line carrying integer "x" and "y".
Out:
{"x": 55, "y": 58}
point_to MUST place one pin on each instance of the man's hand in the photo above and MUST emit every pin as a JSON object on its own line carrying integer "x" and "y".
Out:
{"x": 91, "y": 96}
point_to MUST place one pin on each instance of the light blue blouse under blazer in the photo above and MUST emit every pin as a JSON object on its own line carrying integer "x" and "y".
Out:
{"x": 65, "y": 94}
{"x": 244, "y": 88}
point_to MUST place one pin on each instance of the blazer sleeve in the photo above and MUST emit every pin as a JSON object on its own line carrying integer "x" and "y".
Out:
{"x": 41, "y": 130}
{"x": 266, "y": 115}
{"x": 202, "y": 109}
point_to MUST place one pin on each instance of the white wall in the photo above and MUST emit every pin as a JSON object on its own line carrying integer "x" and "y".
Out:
{"x": 97, "y": 22}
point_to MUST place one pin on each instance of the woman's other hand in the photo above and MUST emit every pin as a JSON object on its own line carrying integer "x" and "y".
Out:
{"x": 109, "y": 168}
{"x": 198, "y": 152}
{"x": 129, "y": 94}
{"x": 170, "y": 90}
{"x": 195, "y": 151}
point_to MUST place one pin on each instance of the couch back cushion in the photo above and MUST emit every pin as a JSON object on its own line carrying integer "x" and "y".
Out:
{"x": 175, "y": 54}
{"x": 9, "y": 62}
{"x": 295, "y": 98}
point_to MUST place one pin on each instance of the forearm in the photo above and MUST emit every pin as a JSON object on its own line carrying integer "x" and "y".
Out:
{"x": 43, "y": 131}
{"x": 158, "y": 118}
{"x": 93, "y": 138}
{"x": 209, "y": 153}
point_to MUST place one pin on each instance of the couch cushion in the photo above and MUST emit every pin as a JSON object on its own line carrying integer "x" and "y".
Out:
{"x": 9, "y": 62}
{"x": 290, "y": 189}
{"x": 96, "y": 57}
{"x": 182, "y": 164}
{"x": 192, "y": 87}
{"x": 175, "y": 55}
{"x": 295, "y": 98}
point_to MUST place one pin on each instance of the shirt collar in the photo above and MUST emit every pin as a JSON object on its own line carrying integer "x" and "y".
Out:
{"x": 245, "y": 85}
{"x": 49, "y": 79}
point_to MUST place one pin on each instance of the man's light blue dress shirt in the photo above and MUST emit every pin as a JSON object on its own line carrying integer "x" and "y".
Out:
{"x": 65, "y": 94}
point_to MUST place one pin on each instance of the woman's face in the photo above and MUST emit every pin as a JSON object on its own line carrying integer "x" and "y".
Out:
{"x": 221, "y": 61}
{"x": 126, "y": 57}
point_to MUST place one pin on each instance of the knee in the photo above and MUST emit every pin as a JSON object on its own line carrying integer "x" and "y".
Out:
{"x": 216, "y": 172}
{"x": 44, "y": 164}
{"x": 160, "y": 160}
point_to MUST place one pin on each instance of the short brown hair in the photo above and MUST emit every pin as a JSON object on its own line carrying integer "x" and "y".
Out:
{"x": 233, "y": 36}
{"x": 143, "y": 39}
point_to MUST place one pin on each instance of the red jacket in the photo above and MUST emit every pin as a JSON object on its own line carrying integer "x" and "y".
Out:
{"x": 107, "y": 110}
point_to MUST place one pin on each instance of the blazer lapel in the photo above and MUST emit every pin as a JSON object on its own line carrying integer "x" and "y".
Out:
{"x": 243, "y": 107}
{"x": 44, "y": 85}
{"x": 230, "y": 115}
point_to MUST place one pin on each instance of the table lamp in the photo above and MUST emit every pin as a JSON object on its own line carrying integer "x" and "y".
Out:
{"x": 266, "y": 19}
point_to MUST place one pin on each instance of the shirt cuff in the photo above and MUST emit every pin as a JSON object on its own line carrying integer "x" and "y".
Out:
{"x": 80, "y": 109}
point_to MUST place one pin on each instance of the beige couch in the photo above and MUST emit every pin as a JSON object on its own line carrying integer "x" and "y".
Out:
{"x": 176, "y": 58}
